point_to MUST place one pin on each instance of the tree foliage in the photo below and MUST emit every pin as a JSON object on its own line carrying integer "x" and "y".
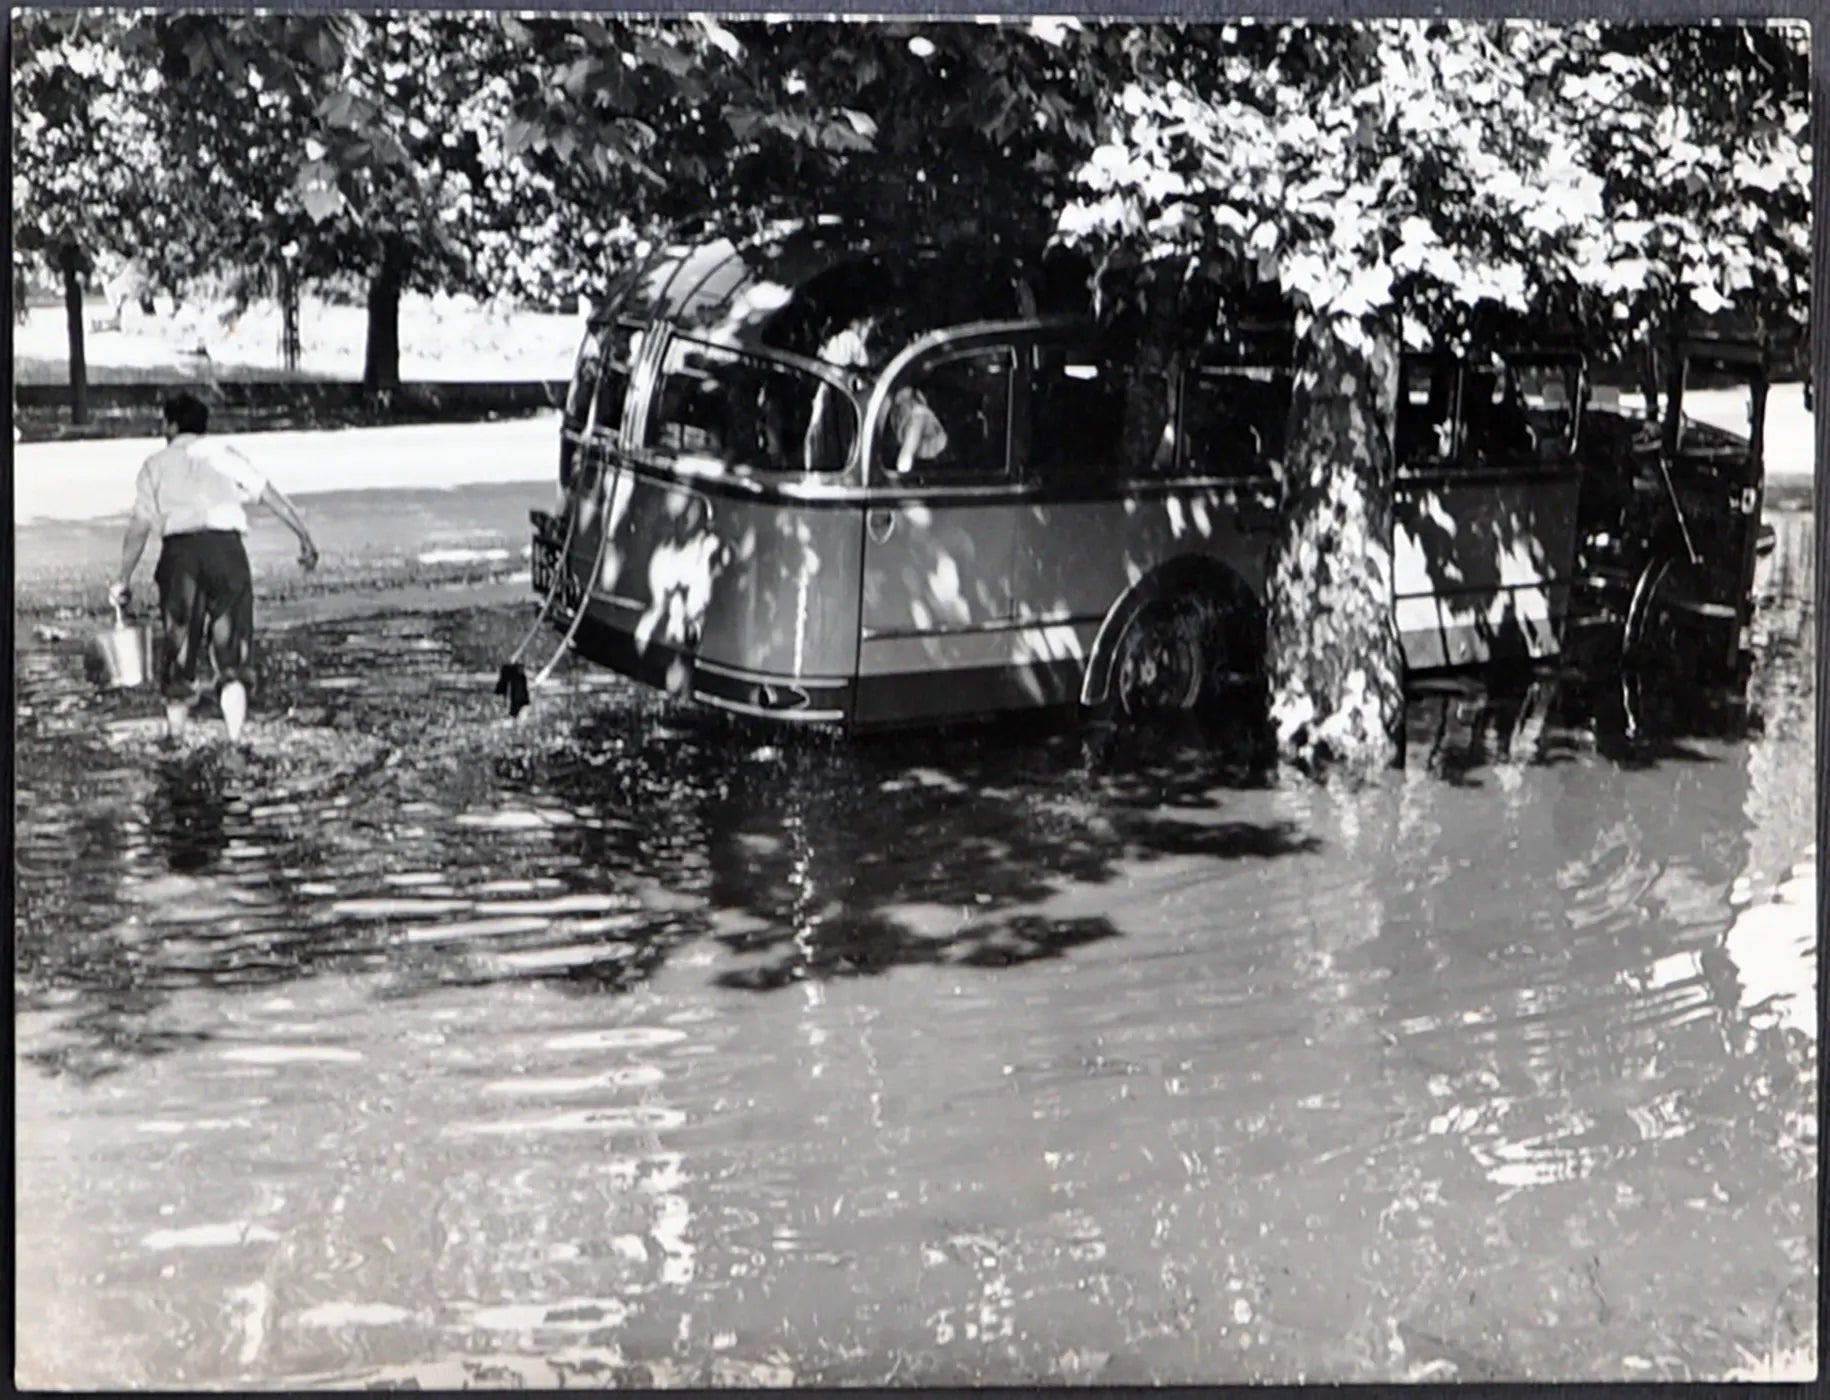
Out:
{"x": 81, "y": 146}
{"x": 82, "y": 131}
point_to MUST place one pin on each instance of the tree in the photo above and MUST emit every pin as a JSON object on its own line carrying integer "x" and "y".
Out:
{"x": 1699, "y": 134}
{"x": 321, "y": 146}
{"x": 82, "y": 154}
{"x": 943, "y": 127}
{"x": 268, "y": 151}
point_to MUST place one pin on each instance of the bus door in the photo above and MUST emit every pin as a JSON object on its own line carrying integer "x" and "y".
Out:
{"x": 1485, "y": 507}
{"x": 1090, "y": 525}
{"x": 938, "y": 519}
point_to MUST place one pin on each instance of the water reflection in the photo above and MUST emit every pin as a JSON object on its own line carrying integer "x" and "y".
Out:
{"x": 625, "y": 1047}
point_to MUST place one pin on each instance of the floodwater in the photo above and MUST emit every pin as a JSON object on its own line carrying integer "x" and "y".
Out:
{"x": 620, "y": 1046}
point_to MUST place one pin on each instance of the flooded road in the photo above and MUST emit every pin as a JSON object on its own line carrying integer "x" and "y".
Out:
{"x": 618, "y": 1046}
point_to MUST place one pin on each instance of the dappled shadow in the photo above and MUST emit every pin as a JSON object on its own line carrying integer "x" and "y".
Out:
{"x": 871, "y": 945}
{"x": 838, "y": 857}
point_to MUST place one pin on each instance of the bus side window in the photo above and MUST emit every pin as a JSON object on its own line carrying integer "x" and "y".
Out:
{"x": 1495, "y": 425}
{"x": 1549, "y": 392}
{"x": 951, "y": 422}
{"x": 1077, "y": 416}
{"x": 740, "y": 411}
{"x": 1426, "y": 411}
{"x": 621, "y": 344}
{"x": 1234, "y": 418}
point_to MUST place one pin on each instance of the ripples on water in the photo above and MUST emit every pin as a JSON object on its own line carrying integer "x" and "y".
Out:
{"x": 622, "y": 1045}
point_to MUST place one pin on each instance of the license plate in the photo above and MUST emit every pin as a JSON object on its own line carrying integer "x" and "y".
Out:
{"x": 546, "y": 566}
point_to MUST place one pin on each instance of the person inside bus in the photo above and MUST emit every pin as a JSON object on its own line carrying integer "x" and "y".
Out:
{"x": 915, "y": 430}
{"x": 827, "y": 442}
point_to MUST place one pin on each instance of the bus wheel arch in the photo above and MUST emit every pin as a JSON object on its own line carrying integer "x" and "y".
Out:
{"x": 1163, "y": 641}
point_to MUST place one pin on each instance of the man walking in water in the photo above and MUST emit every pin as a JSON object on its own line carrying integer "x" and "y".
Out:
{"x": 194, "y": 494}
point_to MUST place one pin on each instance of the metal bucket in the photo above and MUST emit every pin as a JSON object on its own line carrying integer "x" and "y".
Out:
{"x": 124, "y": 654}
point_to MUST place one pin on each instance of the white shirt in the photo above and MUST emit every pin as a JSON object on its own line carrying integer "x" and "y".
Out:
{"x": 196, "y": 484}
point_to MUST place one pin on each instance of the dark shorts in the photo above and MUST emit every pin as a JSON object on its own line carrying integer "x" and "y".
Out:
{"x": 206, "y": 600}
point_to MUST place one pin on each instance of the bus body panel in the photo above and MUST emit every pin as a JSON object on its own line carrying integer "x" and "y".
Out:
{"x": 724, "y": 593}
{"x": 1075, "y": 559}
{"x": 973, "y": 609}
{"x": 935, "y": 602}
{"x": 1482, "y": 565}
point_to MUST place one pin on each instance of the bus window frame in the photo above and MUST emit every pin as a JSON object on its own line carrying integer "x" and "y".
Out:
{"x": 1454, "y": 459}
{"x": 1181, "y": 468}
{"x": 687, "y": 464}
{"x": 1463, "y": 459}
{"x": 939, "y": 347}
{"x": 1515, "y": 360}
{"x": 589, "y": 356}
{"x": 1746, "y": 369}
{"x": 592, "y": 427}
{"x": 1076, "y": 341}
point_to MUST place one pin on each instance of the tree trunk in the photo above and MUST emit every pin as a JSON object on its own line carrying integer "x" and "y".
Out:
{"x": 70, "y": 259}
{"x": 289, "y": 320}
{"x": 381, "y": 361}
{"x": 1650, "y": 379}
{"x": 1334, "y": 666}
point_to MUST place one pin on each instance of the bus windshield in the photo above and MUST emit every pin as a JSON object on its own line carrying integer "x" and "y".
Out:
{"x": 744, "y": 412}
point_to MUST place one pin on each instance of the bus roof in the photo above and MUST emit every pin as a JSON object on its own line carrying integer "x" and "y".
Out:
{"x": 790, "y": 287}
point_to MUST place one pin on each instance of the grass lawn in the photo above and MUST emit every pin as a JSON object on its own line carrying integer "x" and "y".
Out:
{"x": 443, "y": 338}
{"x": 517, "y": 359}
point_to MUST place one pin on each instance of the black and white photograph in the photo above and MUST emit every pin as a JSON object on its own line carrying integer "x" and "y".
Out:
{"x": 719, "y": 700}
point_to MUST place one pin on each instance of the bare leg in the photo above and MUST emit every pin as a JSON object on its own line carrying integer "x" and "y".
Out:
{"x": 176, "y": 713}
{"x": 234, "y": 707}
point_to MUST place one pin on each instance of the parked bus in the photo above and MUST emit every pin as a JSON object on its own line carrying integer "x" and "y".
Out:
{"x": 828, "y": 481}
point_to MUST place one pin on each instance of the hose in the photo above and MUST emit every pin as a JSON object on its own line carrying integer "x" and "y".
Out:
{"x": 584, "y": 603}
{"x": 512, "y": 680}
{"x": 552, "y": 592}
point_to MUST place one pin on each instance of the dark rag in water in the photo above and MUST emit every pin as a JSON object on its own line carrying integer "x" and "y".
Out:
{"x": 512, "y": 682}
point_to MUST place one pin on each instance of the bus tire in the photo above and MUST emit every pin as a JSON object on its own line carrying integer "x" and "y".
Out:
{"x": 1183, "y": 651}
{"x": 1662, "y": 637}
{"x": 1163, "y": 657}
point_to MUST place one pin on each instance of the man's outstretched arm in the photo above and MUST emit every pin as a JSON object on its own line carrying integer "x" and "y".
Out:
{"x": 275, "y": 500}
{"x": 133, "y": 545}
{"x": 140, "y": 525}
